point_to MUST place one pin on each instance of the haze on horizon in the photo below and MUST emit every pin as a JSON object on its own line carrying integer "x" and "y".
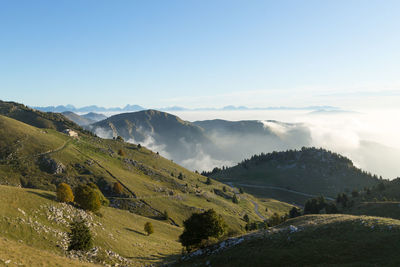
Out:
{"x": 213, "y": 54}
{"x": 201, "y": 54}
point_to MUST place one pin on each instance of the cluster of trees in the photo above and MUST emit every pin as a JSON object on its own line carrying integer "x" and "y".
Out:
{"x": 318, "y": 204}
{"x": 88, "y": 196}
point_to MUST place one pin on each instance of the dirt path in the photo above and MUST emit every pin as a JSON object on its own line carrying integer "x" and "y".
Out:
{"x": 281, "y": 189}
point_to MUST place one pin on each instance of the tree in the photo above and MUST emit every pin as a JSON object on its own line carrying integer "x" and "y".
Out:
{"x": 80, "y": 236}
{"x": 381, "y": 186}
{"x": 224, "y": 188}
{"x": 88, "y": 198}
{"x": 355, "y": 193}
{"x": 235, "y": 199}
{"x": 139, "y": 146}
{"x": 208, "y": 182}
{"x": 294, "y": 212}
{"x": 331, "y": 208}
{"x": 121, "y": 153}
{"x": 314, "y": 205}
{"x": 200, "y": 227}
{"x": 104, "y": 201}
{"x": 246, "y": 218}
{"x": 64, "y": 193}
{"x": 148, "y": 228}
{"x": 241, "y": 190}
{"x": 180, "y": 176}
{"x": 117, "y": 188}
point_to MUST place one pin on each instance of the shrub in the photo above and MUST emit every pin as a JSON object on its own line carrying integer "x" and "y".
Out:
{"x": 166, "y": 215}
{"x": 64, "y": 193}
{"x": 294, "y": 212}
{"x": 235, "y": 199}
{"x": 148, "y": 228}
{"x": 208, "y": 181}
{"x": 200, "y": 227}
{"x": 117, "y": 188}
{"x": 246, "y": 218}
{"x": 88, "y": 198}
{"x": 224, "y": 188}
{"x": 180, "y": 176}
{"x": 241, "y": 190}
{"x": 80, "y": 236}
{"x": 275, "y": 219}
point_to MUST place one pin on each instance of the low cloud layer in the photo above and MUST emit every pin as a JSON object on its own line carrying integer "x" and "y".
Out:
{"x": 369, "y": 139}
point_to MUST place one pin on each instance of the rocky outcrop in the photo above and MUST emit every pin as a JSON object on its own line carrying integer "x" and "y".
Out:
{"x": 51, "y": 166}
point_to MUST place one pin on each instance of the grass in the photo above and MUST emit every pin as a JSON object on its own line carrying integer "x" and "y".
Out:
{"x": 321, "y": 240}
{"x": 13, "y": 253}
{"x": 117, "y": 230}
{"x": 150, "y": 180}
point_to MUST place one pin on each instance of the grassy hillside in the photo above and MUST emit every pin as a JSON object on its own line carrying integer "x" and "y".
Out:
{"x": 36, "y": 118}
{"x": 151, "y": 183}
{"x": 313, "y": 240}
{"x": 13, "y": 253}
{"x": 296, "y": 174}
{"x": 33, "y": 218}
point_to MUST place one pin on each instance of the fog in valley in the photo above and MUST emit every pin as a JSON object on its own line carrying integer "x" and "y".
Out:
{"x": 368, "y": 138}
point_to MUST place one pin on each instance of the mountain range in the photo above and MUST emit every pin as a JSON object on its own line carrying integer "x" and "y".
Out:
{"x": 128, "y": 108}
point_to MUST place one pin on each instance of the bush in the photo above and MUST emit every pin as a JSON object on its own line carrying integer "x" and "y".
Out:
{"x": 208, "y": 181}
{"x": 64, "y": 193}
{"x": 80, "y": 236}
{"x": 224, "y": 188}
{"x": 166, "y": 215}
{"x": 246, "y": 218}
{"x": 117, "y": 188}
{"x": 121, "y": 153}
{"x": 180, "y": 176}
{"x": 148, "y": 228}
{"x": 88, "y": 198}
{"x": 241, "y": 190}
{"x": 200, "y": 227}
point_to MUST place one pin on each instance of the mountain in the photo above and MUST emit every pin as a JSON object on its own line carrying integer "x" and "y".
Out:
{"x": 92, "y": 108}
{"x": 36, "y": 118}
{"x": 157, "y": 130}
{"x": 80, "y": 120}
{"x": 202, "y": 144}
{"x": 306, "y": 172}
{"x": 95, "y": 117}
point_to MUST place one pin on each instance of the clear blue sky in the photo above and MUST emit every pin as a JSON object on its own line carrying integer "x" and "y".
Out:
{"x": 200, "y": 53}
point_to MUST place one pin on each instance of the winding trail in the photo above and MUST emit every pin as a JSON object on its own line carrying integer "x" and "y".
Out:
{"x": 252, "y": 201}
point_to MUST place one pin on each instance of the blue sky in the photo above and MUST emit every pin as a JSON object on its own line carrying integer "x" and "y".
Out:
{"x": 200, "y": 53}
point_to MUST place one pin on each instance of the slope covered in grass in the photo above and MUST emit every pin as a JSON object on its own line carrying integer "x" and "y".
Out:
{"x": 313, "y": 240}
{"x": 151, "y": 183}
{"x": 35, "y": 219}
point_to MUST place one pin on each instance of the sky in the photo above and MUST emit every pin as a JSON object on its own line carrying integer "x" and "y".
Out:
{"x": 205, "y": 53}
